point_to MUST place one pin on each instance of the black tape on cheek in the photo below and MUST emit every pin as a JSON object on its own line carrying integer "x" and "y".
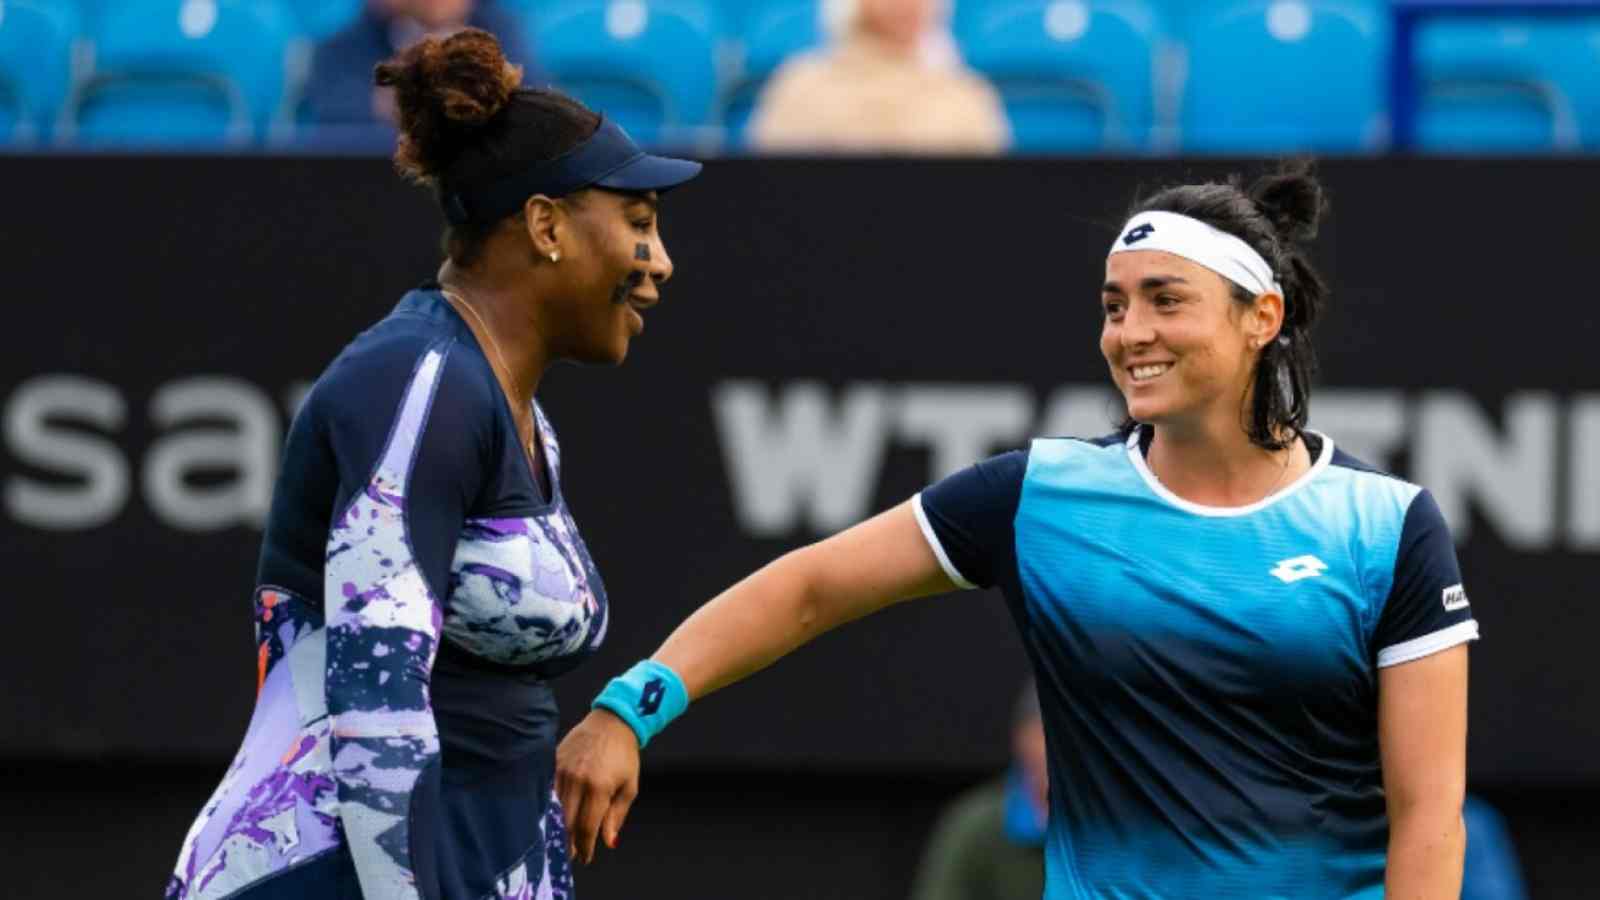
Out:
{"x": 641, "y": 252}
{"x": 634, "y": 279}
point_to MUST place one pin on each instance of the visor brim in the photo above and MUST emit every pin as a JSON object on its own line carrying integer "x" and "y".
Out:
{"x": 651, "y": 173}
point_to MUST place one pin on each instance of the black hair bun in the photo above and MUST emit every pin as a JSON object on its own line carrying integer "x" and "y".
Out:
{"x": 1292, "y": 199}
{"x": 445, "y": 90}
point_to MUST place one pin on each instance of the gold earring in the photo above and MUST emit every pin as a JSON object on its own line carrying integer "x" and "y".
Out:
{"x": 555, "y": 257}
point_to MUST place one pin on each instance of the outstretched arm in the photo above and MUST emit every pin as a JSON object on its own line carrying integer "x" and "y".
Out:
{"x": 744, "y": 629}
{"x": 801, "y": 595}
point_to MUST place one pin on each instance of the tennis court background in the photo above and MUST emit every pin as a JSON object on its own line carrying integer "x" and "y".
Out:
{"x": 838, "y": 334}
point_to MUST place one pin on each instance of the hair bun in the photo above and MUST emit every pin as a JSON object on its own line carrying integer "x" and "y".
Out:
{"x": 444, "y": 91}
{"x": 1292, "y": 199}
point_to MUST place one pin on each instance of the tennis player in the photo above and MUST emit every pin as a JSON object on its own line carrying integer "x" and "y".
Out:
{"x": 421, "y": 578}
{"x": 1249, "y": 646}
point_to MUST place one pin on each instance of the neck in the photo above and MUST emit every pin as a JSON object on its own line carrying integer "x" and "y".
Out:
{"x": 883, "y": 45}
{"x": 515, "y": 339}
{"x": 1214, "y": 463}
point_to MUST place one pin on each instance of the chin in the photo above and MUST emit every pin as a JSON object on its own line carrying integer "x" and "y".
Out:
{"x": 616, "y": 354}
{"x": 602, "y": 355}
{"x": 1148, "y": 410}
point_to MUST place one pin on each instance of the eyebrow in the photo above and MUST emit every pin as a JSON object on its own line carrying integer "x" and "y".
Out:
{"x": 1154, "y": 282}
{"x": 652, "y": 200}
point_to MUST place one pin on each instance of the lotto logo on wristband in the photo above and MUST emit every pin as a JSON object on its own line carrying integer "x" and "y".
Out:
{"x": 650, "y": 700}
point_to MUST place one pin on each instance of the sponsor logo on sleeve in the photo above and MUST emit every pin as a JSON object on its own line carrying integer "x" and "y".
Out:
{"x": 1455, "y": 597}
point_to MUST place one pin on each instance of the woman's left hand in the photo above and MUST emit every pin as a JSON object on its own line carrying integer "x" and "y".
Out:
{"x": 597, "y": 778}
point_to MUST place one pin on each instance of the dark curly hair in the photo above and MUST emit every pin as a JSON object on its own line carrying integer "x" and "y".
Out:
{"x": 465, "y": 120}
{"x": 1277, "y": 215}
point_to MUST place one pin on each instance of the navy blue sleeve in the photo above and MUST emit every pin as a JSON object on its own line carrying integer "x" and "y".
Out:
{"x": 411, "y": 432}
{"x": 1426, "y": 610}
{"x": 969, "y": 519}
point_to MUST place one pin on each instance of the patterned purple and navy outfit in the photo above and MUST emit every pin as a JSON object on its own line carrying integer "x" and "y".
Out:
{"x": 417, "y": 591}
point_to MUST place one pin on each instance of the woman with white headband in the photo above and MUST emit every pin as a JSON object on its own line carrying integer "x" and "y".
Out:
{"x": 1250, "y": 647}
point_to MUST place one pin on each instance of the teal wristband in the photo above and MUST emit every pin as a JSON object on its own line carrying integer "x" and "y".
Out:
{"x": 648, "y": 697}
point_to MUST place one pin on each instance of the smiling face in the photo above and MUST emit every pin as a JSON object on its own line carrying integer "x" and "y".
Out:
{"x": 1181, "y": 348}
{"x": 611, "y": 269}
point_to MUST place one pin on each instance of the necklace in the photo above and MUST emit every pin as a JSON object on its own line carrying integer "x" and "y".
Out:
{"x": 499, "y": 360}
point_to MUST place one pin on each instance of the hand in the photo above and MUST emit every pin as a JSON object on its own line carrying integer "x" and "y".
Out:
{"x": 597, "y": 778}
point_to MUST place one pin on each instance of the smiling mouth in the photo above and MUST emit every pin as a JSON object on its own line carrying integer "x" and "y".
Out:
{"x": 1141, "y": 374}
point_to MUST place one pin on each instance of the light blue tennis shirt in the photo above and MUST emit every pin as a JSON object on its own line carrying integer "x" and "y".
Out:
{"x": 1208, "y": 676}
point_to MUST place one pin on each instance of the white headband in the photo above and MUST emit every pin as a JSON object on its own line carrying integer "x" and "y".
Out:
{"x": 1198, "y": 242}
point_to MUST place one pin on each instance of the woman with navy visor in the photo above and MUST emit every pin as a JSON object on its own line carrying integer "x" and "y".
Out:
{"x": 1249, "y": 647}
{"x": 421, "y": 577}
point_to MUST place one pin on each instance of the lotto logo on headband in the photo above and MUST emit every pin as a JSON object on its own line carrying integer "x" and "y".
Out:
{"x": 1138, "y": 234}
{"x": 1202, "y": 243}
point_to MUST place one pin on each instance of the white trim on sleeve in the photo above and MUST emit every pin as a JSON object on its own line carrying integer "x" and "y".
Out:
{"x": 938, "y": 548}
{"x": 1428, "y": 644}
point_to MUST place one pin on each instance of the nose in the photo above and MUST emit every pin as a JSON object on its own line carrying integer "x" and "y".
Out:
{"x": 660, "y": 263}
{"x": 1137, "y": 328}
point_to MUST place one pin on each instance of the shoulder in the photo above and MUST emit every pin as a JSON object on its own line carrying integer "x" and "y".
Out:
{"x": 1397, "y": 525}
{"x": 801, "y": 72}
{"x": 973, "y": 86}
{"x": 399, "y": 354}
{"x": 1374, "y": 494}
{"x": 1071, "y": 457}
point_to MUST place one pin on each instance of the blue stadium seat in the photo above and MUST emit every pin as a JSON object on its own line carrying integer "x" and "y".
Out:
{"x": 1585, "y": 90}
{"x": 318, "y": 19}
{"x": 36, "y": 53}
{"x": 1505, "y": 85}
{"x": 650, "y": 65}
{"x": 1275, "y": 76}
{"x": 184, "y": 72}
{"x": 778, "y": 32}
{"x": 1075, "y": 75}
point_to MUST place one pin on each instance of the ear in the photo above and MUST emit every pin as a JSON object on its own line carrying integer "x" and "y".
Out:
{"x": 547, "y": 222}
{"x": 1265, "y": 320}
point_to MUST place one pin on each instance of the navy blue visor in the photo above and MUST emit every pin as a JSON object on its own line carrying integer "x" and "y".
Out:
{"x": 607, "y": 159}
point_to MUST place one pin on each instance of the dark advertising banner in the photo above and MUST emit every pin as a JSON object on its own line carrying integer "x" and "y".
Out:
{"x": 837, "y": 335}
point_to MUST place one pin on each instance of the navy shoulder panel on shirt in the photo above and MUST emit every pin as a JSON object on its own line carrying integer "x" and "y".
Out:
{"x": 356, "y": 404}
{"x": 1346, "y": 461}
{"x": 1427, "y": 608}
{"x": 969, "y": 519}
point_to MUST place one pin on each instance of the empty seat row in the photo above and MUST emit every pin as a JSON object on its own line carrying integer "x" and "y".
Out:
{"x": 1075, "y": 75}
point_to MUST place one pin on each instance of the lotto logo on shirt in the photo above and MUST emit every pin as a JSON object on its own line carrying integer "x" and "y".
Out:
{"x": 1455, "y": 597}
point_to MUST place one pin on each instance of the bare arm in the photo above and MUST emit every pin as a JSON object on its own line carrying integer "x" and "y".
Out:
{"x": 801, "y": 595}
{"x": 744, "y": 629}
{"x": 1422, "y": 736}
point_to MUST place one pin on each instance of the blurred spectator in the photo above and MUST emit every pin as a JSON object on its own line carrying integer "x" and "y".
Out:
{"x": 341, "y": 91}
{"x": 891, "y": 83}
{"x": 989, "y": 845}
{"x": 1492, "y": 871}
